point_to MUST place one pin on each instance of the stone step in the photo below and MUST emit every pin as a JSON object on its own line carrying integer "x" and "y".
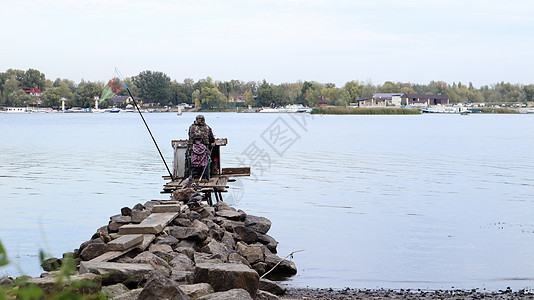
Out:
{"x": 168, "y": 208}
{"x": 153, "y": 224}
{"x": 125, "y": 242}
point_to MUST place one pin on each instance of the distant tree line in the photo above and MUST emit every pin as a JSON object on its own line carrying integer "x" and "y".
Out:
{"x": 160, "y": 89}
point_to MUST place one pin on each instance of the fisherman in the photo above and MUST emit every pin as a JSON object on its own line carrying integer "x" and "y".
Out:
{"x": 200, "y": 140}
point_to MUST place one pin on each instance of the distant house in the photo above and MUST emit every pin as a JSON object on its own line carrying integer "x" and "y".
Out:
{"x": 388, "y": 99}
{"x": 365, "y": 102}
{"x": 34, "y": 91}
{"x": 124, "y": 100}
{"x": 322, "y": 101}
{"x": 424, "y": 100}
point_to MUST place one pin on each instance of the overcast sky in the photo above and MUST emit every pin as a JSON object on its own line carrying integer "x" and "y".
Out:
{"x": 278, "y": 40}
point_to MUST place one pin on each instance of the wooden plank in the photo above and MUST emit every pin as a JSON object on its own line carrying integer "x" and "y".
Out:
{"x": 235, "y": 172}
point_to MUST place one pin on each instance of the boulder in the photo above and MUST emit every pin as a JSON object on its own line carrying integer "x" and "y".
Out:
{"x": 263, "y": 295}
{"x": 235, "y": 294}
{"x": 214, "y": 247}
{"x": 253, "y": 254}
{"x": 286, "y": 268}
{"x": 166, "y": 256}
{"x": 102, "y": 233}
{"x": 246, "y": 234}
{"x": 6, "y": 281}
{"x": 189, "y": 252}
{"x": 151, "y": 259}
{"x": 199, "y": 225}
{"x": 231, "y": 215}
{"x": 168, "y": 240}
{"x": 139, "y": 216}
{"x": 238, "y": 259}
{"x": 188, "y": 233}
{"x": 193, "y": 215}
{"x": 182, "y": 222}
{"x": 207, "y": 211}
{"x": 158, "y": 286}
{"x": 225, "y": 276}
{"x": 258, "y": 224}
{"x": 272, "y": 287}
{"x": 127, "y": 273}
{"x": 121, "y": 219}
{"x": 207, "y": 258}
{"x": 49, "y": 284}
{"x": 182, "y": 276}
{"x": 126, "y": 211}
{"x": 93, "y": 249}
{"x": 133, "y": 294}
{"x": 195, "y": 291}
{"x": 115, "y": 290}
{"x": 268, "y": 241}
{"x": 228, "y": 240}
{"x": 260, "y": 267}
{"x": 160, "y": 247}
{"x": 221, "y": 206}
{"x": 114, "y": 226}
{"x": 182, "y": 194}
{"x": 51, "y": 264}
{"x": 138, "y": 206}
{"x": 182, "y": 262}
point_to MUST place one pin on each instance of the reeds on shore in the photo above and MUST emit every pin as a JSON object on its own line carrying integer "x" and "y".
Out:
{"x": 365, "y": 111}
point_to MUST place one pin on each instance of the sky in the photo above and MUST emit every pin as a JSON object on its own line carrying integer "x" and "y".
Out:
{"x": 417, "y": 41}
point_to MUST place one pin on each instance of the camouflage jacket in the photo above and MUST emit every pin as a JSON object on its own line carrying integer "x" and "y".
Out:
{"x": 203, "y": 131}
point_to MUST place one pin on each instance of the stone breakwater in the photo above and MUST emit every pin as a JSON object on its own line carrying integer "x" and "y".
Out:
{"x": 166, "y": 250}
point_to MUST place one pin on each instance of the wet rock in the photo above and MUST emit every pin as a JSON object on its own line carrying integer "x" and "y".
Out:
{"x": 160, "y": 287}
{"x": 246, "y": 234}
{"x": 263, "y": 295}
{"x": 269, "y": 242}
{"x": 51, "y": 264}
{"x": 126, "y": 211}
{"x": 231, "y": 215}
{"x": 215, "y": 247}
{"x": 225, "y": 276}
{"x": 182, "y": 262}
{"x": 258, "y": 224}
{"x": 195, "y": 291}
{"x": 127, "y": 273}
{"x": 115, "y": 290}
{"x": 170, "y": 240}
{"x": 235, "y": 294}
{"x": 139, "y": 216}
{"x": 93, "y": 249}
{"x": 286, "y": 268}
{"x": 151, "y": 259}
{"x": 189, "y": 233}
{"x": 272, "y": 287}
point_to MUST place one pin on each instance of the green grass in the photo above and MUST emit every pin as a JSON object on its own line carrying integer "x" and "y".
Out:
{"x": 495, "y": 110}
{"x": 365, "y": 111}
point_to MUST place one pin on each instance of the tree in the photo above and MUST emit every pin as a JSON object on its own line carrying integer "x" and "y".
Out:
{"x": 196, "y": 98}
{"x": 210, "y": 97}
{"x": 153, "y": 86}
{"x": 389, "y": 87}
{"x": 355, "y": 90}
{"x": 86, "y": 93}
{"x": 52, "y": 96}
{"x": 20, "y": 98}
{"x": 33, "y": 78}
{"x": 249, "y": 99}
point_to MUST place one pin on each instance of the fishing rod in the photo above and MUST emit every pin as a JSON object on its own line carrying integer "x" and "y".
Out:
{"x": 144, "y": 121}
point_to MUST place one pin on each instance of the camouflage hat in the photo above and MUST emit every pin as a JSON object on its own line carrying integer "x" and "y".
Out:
{"x": 200, "y": 117}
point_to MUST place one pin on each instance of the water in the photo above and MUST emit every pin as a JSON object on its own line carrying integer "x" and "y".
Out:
{"x": 430, "y": 201}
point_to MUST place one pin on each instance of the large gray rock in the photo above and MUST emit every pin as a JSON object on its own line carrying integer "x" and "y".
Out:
{"x": 286, "y": 268}
{"x": 168, "y": 240}
{"x": 160, "y": 247}
{"x": 93, "y": 249}
{"x": 182, "y": 276}
{"x": 231, "y": 215}
{"x": 238, "y": 259}
{"x": 182, "y": 262}
{"x": 268, "y": 241}
{"x": 200, "y": 257}
{"x": 253, "y": 254}
{"x": 51, "y": 264}
{"x": 49, "y": 284}
{"x": 258, "y": 224}
{"x": 229, "y": 225}
{"x": 115, "y": 290}
{"x": 247, "y": 234}
{"x": 263, "y": 295}
{"x": 235, "y": 294}
{"x": 160, "y": 287}
{"x": 272, "y": 287}
{"x": 188, "y": 233}
{"x": 133, "y": 294}
{"x": 199, "y": 225}
{"x": 214, "y": 247}
{"x": 228, "y": 240}
{"x": 127, "y": 273}
{"x": 195, "y": 291}
{"x": 151, "y": 259}
{"x": 102, "y": 233}
{"x": 139, "y": 216}
{"x": 224, "y": 277}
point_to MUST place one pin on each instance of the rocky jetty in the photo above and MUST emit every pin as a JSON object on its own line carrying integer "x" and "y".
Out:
{"x": 167, "y": 250}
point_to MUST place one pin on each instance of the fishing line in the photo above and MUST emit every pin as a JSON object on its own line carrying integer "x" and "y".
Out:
{"x": 146, "y": 125}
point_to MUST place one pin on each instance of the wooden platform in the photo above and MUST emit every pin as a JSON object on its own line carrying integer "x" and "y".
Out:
{"x": 218, "y": 183}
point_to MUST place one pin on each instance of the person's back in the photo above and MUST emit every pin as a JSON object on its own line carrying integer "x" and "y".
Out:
{"x": 200, "y": 130}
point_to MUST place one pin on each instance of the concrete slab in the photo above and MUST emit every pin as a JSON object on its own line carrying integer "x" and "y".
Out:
{"x": 117, "y": 272}
{"x": 153, "y": 224}
{"x": 147, "y": 240}
{"x": 108, "y": 256}
{"x": 168, "y": 208}
{"x": 125, "y": 242}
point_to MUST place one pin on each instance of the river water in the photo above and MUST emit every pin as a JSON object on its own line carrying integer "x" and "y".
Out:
{"x": 427, "y": 201}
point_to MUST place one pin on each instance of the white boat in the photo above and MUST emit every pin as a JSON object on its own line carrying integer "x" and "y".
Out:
{"x": 293, "y": 108}
{"x": 15, "y": 110}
